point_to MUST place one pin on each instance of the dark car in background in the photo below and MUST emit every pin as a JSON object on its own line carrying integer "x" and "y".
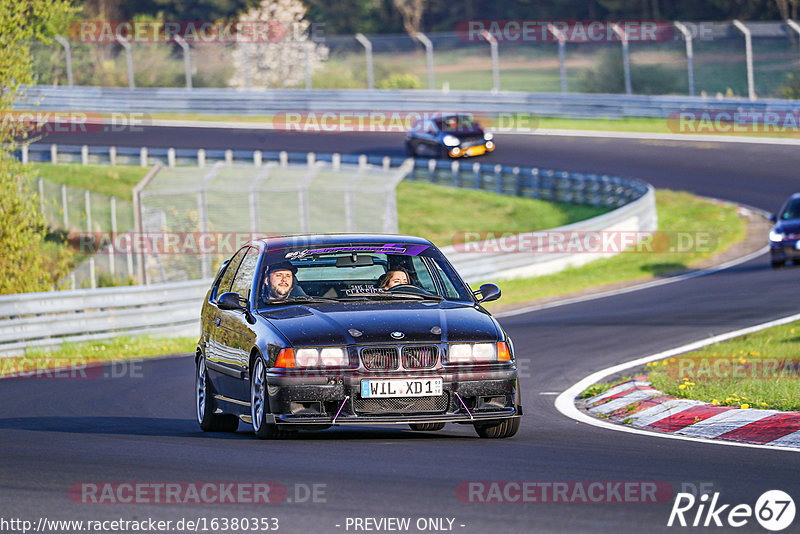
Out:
{"x": 338, "y": 348}
{"x": 784, "y": 238}
{"x": 455, "y": 136}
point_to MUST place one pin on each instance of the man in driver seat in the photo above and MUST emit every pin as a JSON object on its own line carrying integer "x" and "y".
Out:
{"x": 280, "y": 280}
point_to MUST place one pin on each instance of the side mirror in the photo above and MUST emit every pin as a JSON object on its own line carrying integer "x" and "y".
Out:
{"x": 489, "y": 292}
{"x": 773, "y": 217}
{"x": 230, "y": 301}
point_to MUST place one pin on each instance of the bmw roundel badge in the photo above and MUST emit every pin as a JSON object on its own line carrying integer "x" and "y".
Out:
{"x": 398, "y": 335}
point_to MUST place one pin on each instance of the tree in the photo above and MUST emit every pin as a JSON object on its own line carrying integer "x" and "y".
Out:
{"x": 22, "y": 230}
{"x": 411, "y": 11}
{"x": 282, "y": 61}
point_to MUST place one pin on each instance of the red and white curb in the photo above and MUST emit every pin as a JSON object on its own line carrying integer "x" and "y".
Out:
{"x": 636, "y": 403}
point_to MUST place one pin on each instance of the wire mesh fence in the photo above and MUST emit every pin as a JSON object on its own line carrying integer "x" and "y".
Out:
{"x": 658, "y": 66}
{"x": 194, "y": 218}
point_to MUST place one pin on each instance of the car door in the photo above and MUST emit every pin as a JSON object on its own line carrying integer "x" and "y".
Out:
{"x": 430, "y": 137}
{"x": 218, "y": 366}
{"x": 236, "y": 333}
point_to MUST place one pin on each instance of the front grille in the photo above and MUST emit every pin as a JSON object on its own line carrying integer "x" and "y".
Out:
{"x": 419, "y": 357}
{"x": 380, "y": 359}
{"x": 402, "y": 405}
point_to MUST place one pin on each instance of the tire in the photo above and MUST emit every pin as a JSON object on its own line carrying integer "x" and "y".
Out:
{"x": 204, "y": 407}
{"x": 426, "y": 427}
{"x": 504, "y": 428}
{"x": 411, "y": 149}
{"x": 777, "y": 264}
{"x": 259, "y": 402}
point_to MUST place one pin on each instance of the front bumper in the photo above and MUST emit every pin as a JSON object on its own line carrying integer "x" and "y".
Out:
{"x": 466, "y": 150}
{"x": 785, "y": 250}
{"x": 467, "y": 397}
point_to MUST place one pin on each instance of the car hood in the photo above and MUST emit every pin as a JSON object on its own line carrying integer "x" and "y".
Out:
{"x": 791, "y": 226}
{"x": 373, "y": 322}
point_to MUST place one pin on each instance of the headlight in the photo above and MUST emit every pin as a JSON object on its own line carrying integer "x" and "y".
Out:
{"x": 776, "y": 237}
{"x": 451, "y": 140}
{"x": 478, "y": 353}
{"x": 488, "y": 136}
{"x": 321, "y": 357}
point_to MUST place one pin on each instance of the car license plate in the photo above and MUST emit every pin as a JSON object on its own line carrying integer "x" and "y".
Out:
{"x": 476, "y": 150}
{"x": 401, "y": 387}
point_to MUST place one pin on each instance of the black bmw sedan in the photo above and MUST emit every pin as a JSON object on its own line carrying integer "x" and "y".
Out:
{"x": 454, "y": 136}
{"x": 306, "y": 332}
{"x": 784, "y": 238}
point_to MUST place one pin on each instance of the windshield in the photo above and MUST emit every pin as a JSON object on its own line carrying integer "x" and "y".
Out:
{"x": 791, "y": 210}
{"x": 362, "y": 272}
{"x": 457, "y": 123}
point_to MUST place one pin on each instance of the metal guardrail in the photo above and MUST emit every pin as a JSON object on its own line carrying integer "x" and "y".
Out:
{"x": 267, "y": 102}
{"x": 51, "y": 318}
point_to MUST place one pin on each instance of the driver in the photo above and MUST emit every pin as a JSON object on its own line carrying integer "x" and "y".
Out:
{"x": 392, "y": 278}
{"x": 280, "y": 280}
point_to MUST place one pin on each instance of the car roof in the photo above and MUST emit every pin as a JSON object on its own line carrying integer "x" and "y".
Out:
{"x": 301, "y": 240}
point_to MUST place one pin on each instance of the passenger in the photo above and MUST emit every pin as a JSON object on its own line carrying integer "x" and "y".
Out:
{"x": 392, "y": 278}
{"x": 280, "y": 280}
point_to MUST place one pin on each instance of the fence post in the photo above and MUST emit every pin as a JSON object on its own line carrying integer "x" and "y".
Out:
{"x": 228, "y": 159}
{"x": 517, "y": 181}
{"x": 307, "y": 50}
{"x": 687, "y": 35}
{"x": 336, "y": 161}
{"x": 626, "y": 60}
{"x": 112, "y": 155}
{"x": 748, "y": 48}
{"x": 128, "y": 58}
{"x": 362, "y": 161}
{"x": 432, "y": 170}
{"x": 422, "y": 38}
{"x": 361, "y": 38}
{"x": 112, "y": 268}
{"x": 53, "y": 153}
{"x": 138, "y": 215}
{"x": 68, "y": 51}
{"x": 258, "y": 158}
{"x": 476, "y": 174}
{"x": 495, "y": 60}
{"x": 171, "y": 158}
{"x": 283, "y": 158}
{"x": 84, "y": 154}
{"x": 25, "y": 153}
{"x": 65, "y": 206}
{"x": 455, "y": 173}
{"x": 535, "y": 183}
{"x": 143, "y": 156}
{"x": 92, "y": 267}
{"x": 201, "y": 157}
{"x": 311, "y": 159}
{"x": 187, "y": 60}
{"x": 498, "y": 178}
{"x": 562, "y": 55}
{"x": 41, "y": 195}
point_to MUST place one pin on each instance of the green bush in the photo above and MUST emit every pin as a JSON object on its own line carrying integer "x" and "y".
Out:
{"x": 609, "y": 77}
{"x": 399, "y": 81}
{"x": 791, "y": 88}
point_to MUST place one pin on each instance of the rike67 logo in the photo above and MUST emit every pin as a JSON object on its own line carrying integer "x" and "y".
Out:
{"x": 774, "y": 510}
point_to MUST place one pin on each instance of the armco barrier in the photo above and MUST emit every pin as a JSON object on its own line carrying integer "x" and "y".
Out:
{"x": 267, "y": 102}
{"x": 48, "y": 319}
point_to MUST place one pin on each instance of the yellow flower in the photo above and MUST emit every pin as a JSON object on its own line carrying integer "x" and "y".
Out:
{"x": 728, "y": 400}
{"x": 673, "y": 360}
{"x": 682, "y": 386}
{"x": 655, "y": 364}
{"x": 791, "y": 331}
{"x": 664, "y": 362}
{"x": 745, "y": 406}
{"x": 689, "y": 383}
{"x": 715, "y": 402}
{"x": 685, "y": 379}
{"x": 763, "y": 404}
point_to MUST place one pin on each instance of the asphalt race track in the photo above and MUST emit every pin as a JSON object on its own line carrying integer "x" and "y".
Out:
{"x": 140, "y": 428}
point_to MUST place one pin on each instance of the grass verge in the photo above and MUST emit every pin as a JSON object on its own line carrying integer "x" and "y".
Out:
{"x": 678, "y": 213}
{"x": 759, "y": 370}
{"x": 79, "y": 355}
{"x": 117, "y": 181}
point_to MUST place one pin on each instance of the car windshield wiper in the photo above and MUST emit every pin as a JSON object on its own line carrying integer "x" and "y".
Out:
{"x": 299, "y": 300}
